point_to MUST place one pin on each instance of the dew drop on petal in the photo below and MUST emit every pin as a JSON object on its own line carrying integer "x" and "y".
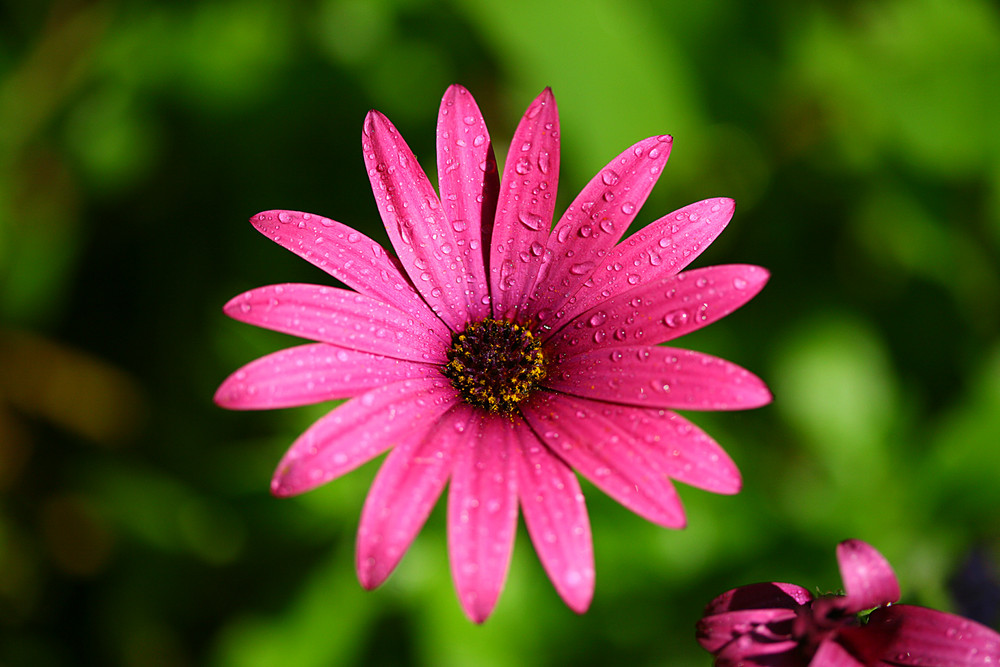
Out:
{"x": 581, "y": 268}
{"x": 597, "y": 319}
{"x": 676, "y": 318}
{"x": 609, "y": 177}
{"x": 530, "y": 220}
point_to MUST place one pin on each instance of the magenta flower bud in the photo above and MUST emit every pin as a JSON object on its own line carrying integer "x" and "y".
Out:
{"x": 782, "y": 625}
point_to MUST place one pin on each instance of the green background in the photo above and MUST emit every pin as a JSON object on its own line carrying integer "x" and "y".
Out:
{"x": 861, "y": 141}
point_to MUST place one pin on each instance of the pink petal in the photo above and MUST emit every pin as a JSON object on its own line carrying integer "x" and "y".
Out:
{"x": 556, "y": 517}
{"x": 482, "y": 513}
{"x": 405, "y": 490}
{"x": 420, "y": 232}
{"x": 360, "y": 430}
{"x": 342, "y": 318}
{"x": 663, "y": 310}
{"x": 746, "y": 651}
{"x": 596, "y": 219}
{"x": 656, "y": 251}
{"x": 868, "y": 578}
{"x": 527, "y": 201}
{"x": 346, "y": 254}
{"x": 311, "y": 374}
{"x": 906, "y": 635}
{"x": 714, "y": 632}
{"x": 759, "y": 596}
{"x": 467, "y": 174}
{"x": 832, "y": 654}
{"x": 606, "y": 455}
{"x": 676, "y": 448}
{"x": 659, "y": 377}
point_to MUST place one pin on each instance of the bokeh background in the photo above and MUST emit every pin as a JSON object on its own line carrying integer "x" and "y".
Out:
{"x": 860, "y": 139}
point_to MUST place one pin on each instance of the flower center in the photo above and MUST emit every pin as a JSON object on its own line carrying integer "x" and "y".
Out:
{"x": 495, "y": 364}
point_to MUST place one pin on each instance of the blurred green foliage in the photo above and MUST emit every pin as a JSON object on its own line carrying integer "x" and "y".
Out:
{"x": 136, "y": 137}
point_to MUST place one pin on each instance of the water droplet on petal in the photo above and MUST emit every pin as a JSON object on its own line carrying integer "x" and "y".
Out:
{"x": 597, "y": 319}
{"x": 739, "y": 283}
{"x": 581, "y": 268}
{"x": 609, "y": 177}
{"x": 676, "y": 318}
{"x": 530, "y": 220}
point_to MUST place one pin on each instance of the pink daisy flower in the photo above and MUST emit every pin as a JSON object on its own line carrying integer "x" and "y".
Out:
{"x": 782, "y": 625}
{"x": 497, "y": 354}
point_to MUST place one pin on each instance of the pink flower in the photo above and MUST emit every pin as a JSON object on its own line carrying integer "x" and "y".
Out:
{"x": 782, "y": 625}
{"x": 500, "y": 356}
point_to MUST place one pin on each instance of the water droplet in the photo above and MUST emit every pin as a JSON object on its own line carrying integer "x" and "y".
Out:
{"x": 479, "y": 140}
{"x": 597, "y": 319}
{"x": 676, "y": 318}
{"x": 523, "y": 166}
{"x": 628, "y": 208}
{"x": 607, "y": 226}
{"x": 585, "y": 231}
{"x": 599, "y": 336}
{"x": 581, "y": 268}
{"x": 609, "y": 177}
{"x": 633, "y": 279}
{"x": 739, "y": 283}
{"x": 544, "y": 162}
{"x": 530, "y": 220}
{"x": 284, "y": 217}
{"x": 537, "y": 248}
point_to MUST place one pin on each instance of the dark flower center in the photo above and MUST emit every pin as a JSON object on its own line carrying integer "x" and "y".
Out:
{"x": 495, "y": 364}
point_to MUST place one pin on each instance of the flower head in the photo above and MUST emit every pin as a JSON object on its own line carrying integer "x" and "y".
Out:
{"x": 782, "y": 625}
{"x": 497, "y": 354}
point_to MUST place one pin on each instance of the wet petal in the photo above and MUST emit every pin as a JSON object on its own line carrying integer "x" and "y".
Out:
{"x": 663, "y": 310}
{"x": 715, "y": 631}
{"x": 832, "y": 654}
{"x": 751, "y": 651}
{"x": 342, "y": 318}
{"x": 602, "y": 452}
{"x": 659, "y": 377}
{"x": 344, "y": 253}
{"x": 467, "y": 174}
{"x": 359, "y": 430}
{"x": 404, "y": 491}
{"x": 676, "y": 448}
{"x": 416, "y": 222}
{"x": 907, "y": 635}
{"x": 556, "y": 517}
{"x": 655, "y": 252}
{"x": 525, "y": 207}
{"x": 868, "y": 578}
{"x": 310, "y": 374}
{"x": 482, "y": 513}
{"x": 596, "y": 219}
{"x": 759, "y": 596}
